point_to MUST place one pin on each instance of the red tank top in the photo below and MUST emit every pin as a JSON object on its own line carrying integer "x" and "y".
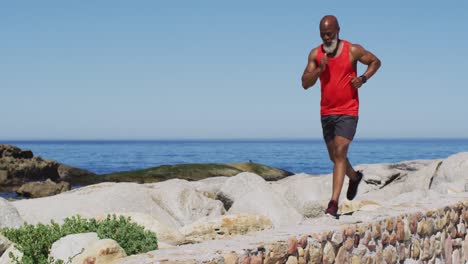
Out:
{"x": 339, "y": 97}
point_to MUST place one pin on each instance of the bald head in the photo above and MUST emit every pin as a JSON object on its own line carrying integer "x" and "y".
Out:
{"x": 329, "y": 31}
{"x": 329, "y": 22}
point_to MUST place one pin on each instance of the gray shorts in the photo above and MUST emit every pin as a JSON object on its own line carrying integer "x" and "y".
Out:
{"x": 339, "y": 125}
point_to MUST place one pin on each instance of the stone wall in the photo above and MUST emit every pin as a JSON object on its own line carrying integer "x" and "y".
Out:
{"x": 436, "y": 236}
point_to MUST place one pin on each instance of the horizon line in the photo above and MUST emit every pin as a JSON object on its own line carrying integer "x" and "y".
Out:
{"x": 219, "y": 139}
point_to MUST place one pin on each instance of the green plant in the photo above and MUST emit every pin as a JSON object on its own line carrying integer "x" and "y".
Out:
{"x": 77, "y": 225}
{"x": 35, "y": 241}
{"x": 130, "y": 236}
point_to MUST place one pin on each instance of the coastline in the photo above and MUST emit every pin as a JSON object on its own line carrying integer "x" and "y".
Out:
{"x": 191, "y": 217}
{"x": 296, "y": 155}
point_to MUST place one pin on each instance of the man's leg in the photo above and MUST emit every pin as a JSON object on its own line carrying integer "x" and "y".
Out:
{"x": 340, "y": 151}
{"x": 350, "y": 172}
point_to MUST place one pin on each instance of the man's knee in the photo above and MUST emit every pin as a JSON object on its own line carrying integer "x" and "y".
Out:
{"x": 340, "y": 152}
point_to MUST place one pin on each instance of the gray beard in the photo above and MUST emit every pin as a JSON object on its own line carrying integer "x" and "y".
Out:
{"x": 332, "y": 47}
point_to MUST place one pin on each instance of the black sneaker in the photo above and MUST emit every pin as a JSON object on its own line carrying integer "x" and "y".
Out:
{"x": 353, "y": 186}
{"x": 332, "y": 209}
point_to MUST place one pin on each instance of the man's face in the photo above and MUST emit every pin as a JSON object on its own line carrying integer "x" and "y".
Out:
{"x": 329, "y": 35}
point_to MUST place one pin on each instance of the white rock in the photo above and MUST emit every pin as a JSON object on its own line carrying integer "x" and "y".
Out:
{"x": 235, "y": 187}
{"x": 412, "y": 175}
{"x": 71, "y": 245}
{"x": 92, "y": 201}
{"x": 308, "y": 194}
{"x": 452, "y": 174}
{"x": 180, "y": 199}
{"x": 251, "y": 194}
{"x": 210, "y": 185}
{"x": 9, "y": 216}
{"x": 101, "y": 251}
{"x": 173, "y": 203}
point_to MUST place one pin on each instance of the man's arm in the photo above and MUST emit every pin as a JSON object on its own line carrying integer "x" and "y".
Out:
{"x": 358, "y": 53}
{"x": 312, "y": 70}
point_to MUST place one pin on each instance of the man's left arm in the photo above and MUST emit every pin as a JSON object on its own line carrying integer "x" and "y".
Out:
{"x": 360, "y": 54}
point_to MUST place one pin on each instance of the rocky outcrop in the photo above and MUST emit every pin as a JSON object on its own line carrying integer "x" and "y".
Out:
{"x": 18, "y": 167}
{"x": 67, "y": 173}
{"x": 14, "y": 152}
{"x": 190, "y": 172}
{"x": 16, "y": 172}
{"x": 42, "y": 189}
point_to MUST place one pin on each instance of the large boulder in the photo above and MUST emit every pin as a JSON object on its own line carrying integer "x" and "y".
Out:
{"x": 308, "y": 194}
{"x": 250, "y": 193}
{"x": 20, "y": 170}
{"x": 180, "y": 199}
{"x": 101, "y": 251}
{"x": 210, "y": 187}
{"x": 92, "y": 201}
{"x": 452, "y": 175}
{"x": 160, "y": 207}
{"x": 9, "y": 216}
{"x": 384, "y": 181}
{"x": 42, "y": 189}
{"x": 72, "y": 245}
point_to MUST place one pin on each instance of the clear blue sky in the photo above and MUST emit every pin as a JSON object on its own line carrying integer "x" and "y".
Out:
{"x": 223, "y": 69}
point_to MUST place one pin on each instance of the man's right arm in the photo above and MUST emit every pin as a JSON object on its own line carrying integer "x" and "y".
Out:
{"x": 312, "y": 71}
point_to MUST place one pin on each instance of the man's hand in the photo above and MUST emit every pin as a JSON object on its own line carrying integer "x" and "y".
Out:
{"x": 323, "y": 63}
{"x": 356, "y": 82}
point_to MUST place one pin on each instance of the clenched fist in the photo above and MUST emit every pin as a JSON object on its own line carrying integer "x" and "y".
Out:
{"x": 356, "y": 82}
{"x": 323, "y": 63}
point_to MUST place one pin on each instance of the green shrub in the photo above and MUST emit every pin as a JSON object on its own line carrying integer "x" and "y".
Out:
{"x": 36, "y": 241}
{"x": 131, "y": 237}
{"x": 78, "y": 225}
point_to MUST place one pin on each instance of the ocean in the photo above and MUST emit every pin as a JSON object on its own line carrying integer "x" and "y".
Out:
{"x": 309, "y": 156}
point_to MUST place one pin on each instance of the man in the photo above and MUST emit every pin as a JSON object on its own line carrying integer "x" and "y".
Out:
{"x": 335, "y": 63}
